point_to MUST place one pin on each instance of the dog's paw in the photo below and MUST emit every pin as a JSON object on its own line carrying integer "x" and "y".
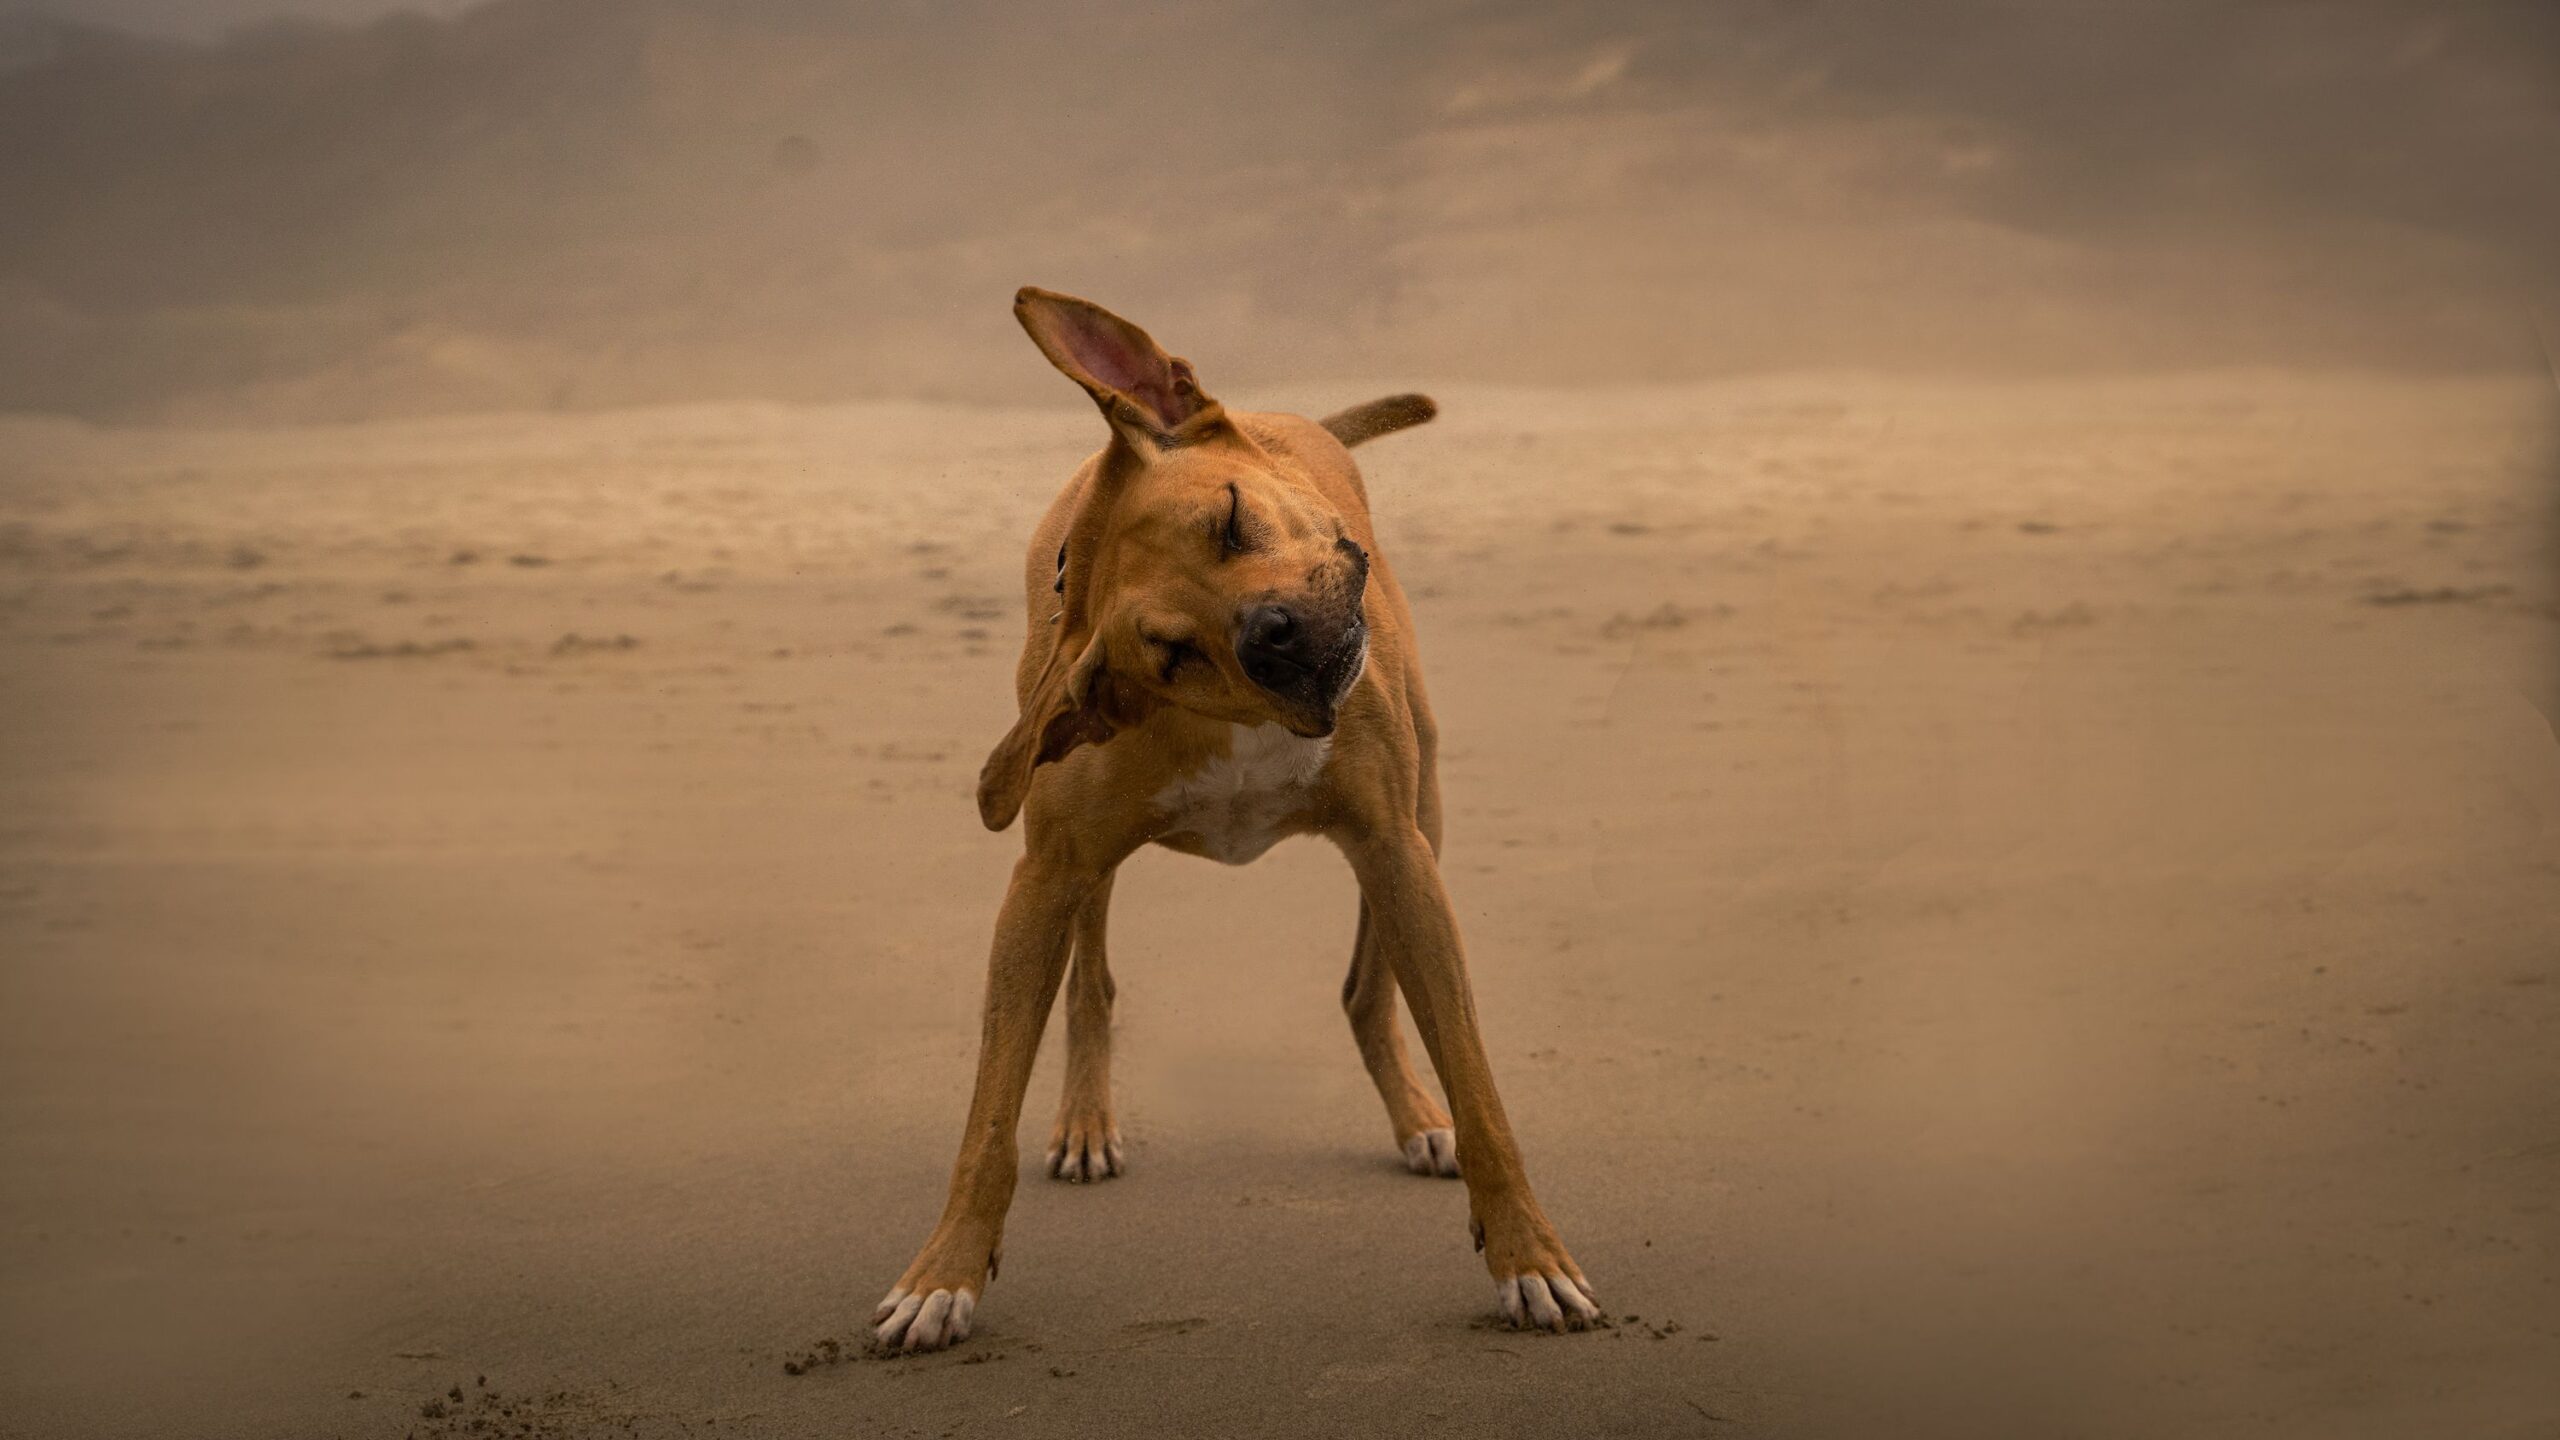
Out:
{"x": 1553, "y": 1301}
{"x": 933, "y": 1304}
{"x": 1085, "y": 1148}
{"x": 1432, "y": 1152}
{"x": 913, "y": 1322}
{"x": 1535, "y": 1283}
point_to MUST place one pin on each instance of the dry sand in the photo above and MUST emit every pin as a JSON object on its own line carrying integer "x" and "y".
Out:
{"x": 2028, "y": 910}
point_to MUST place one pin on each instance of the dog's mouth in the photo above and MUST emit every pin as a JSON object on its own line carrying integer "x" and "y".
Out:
{"x": 1310, "y": 691}
{"x": 1343, "y": 668}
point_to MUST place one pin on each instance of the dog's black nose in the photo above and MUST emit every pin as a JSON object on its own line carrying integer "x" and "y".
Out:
{"x": 1270, "y": 627}
{"x": 1273, "y": 646}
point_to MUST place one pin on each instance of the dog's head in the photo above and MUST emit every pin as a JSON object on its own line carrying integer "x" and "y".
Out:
{"x": 1197, "y": 572}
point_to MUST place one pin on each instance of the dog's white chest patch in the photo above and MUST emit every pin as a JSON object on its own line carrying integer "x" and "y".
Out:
{"x": 1234, "y": 807}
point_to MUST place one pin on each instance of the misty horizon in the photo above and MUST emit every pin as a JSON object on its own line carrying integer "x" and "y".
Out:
{"x": 573, "y": 204}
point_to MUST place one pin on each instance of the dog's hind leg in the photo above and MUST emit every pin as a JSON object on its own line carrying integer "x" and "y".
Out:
{"x": 1085, "y": 1145}
{"x": 1421, "y": 1125}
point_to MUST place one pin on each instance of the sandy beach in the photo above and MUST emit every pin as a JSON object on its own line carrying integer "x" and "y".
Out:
{"x": 2013, "y": 909}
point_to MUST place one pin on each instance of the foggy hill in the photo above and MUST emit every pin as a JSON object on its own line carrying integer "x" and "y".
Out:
{"x": 594, "y": 202}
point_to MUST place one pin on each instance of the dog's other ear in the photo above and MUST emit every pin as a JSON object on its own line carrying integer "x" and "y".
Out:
{"x": 1150, "y": 398}
{"x": 1076, "y": 701}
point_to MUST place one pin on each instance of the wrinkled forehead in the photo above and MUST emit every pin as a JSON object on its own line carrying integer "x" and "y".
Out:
{"x": 1201, "y": 483}
{"x": 1184, "y": 481}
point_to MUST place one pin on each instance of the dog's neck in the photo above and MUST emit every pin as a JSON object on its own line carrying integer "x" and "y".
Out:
{"x": 1232, "y": 807}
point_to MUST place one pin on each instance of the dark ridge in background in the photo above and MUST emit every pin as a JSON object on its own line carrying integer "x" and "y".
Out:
{"x": 580, "y": 203}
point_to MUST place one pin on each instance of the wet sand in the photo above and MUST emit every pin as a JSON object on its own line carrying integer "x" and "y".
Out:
{"x": 2018, "y": 909}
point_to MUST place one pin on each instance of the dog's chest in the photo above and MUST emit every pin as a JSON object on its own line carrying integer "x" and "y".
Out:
{"x": 1237, "y": 805}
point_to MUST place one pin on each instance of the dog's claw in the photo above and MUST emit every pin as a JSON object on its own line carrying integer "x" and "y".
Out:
{"x": 1079, "y": 1155}
{"x": 1543, "y": 1310}
{"x": 1547, "y": 1302}
{"x": 918, "y": 1323}
{"x": 901, "y": 1313}
{"x": 1432, "y": 1152}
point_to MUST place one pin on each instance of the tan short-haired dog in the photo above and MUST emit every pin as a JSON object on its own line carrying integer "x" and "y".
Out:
{"x": 1218, "y": 658}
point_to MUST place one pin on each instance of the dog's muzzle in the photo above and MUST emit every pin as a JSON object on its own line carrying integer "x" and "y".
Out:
{"x": 1307, "y": 666}
{"x": 1308, "y": 651}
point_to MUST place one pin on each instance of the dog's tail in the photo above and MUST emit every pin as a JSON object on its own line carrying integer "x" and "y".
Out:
{"x": 1379, "y": 417}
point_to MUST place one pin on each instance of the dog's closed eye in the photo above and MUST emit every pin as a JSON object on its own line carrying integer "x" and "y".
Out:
{"x": 1233, "y": 536}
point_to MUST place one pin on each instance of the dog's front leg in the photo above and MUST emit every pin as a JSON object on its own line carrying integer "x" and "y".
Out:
{"x": 1536, "y": 1282}
{"x": 932, "y": 1303}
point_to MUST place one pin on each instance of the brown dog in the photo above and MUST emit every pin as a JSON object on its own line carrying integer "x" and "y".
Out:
{"x": 1218, "y": 658}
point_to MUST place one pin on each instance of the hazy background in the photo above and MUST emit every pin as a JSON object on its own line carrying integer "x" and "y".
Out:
{"x": 302, "y": 209}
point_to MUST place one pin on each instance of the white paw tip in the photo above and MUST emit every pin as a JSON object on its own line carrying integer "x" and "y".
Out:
{"x": 894, "y": 1329}
{"x": 1546, "y": 1302}
{"x": 1543, "y": 1310}
{"x": 1580, "y": 1308}
{"x": 1078, "y": 1161}
{"x": 927, "y": 1322}
{"x": 1432, "y": 1152}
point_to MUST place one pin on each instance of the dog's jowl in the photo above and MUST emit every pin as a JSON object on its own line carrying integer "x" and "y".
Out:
{"x": 1218, "y": 657}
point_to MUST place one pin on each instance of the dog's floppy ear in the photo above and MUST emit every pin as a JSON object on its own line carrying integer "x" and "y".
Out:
{"x": 1151, "y": 398}
{"x": 1076, "y": 701}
